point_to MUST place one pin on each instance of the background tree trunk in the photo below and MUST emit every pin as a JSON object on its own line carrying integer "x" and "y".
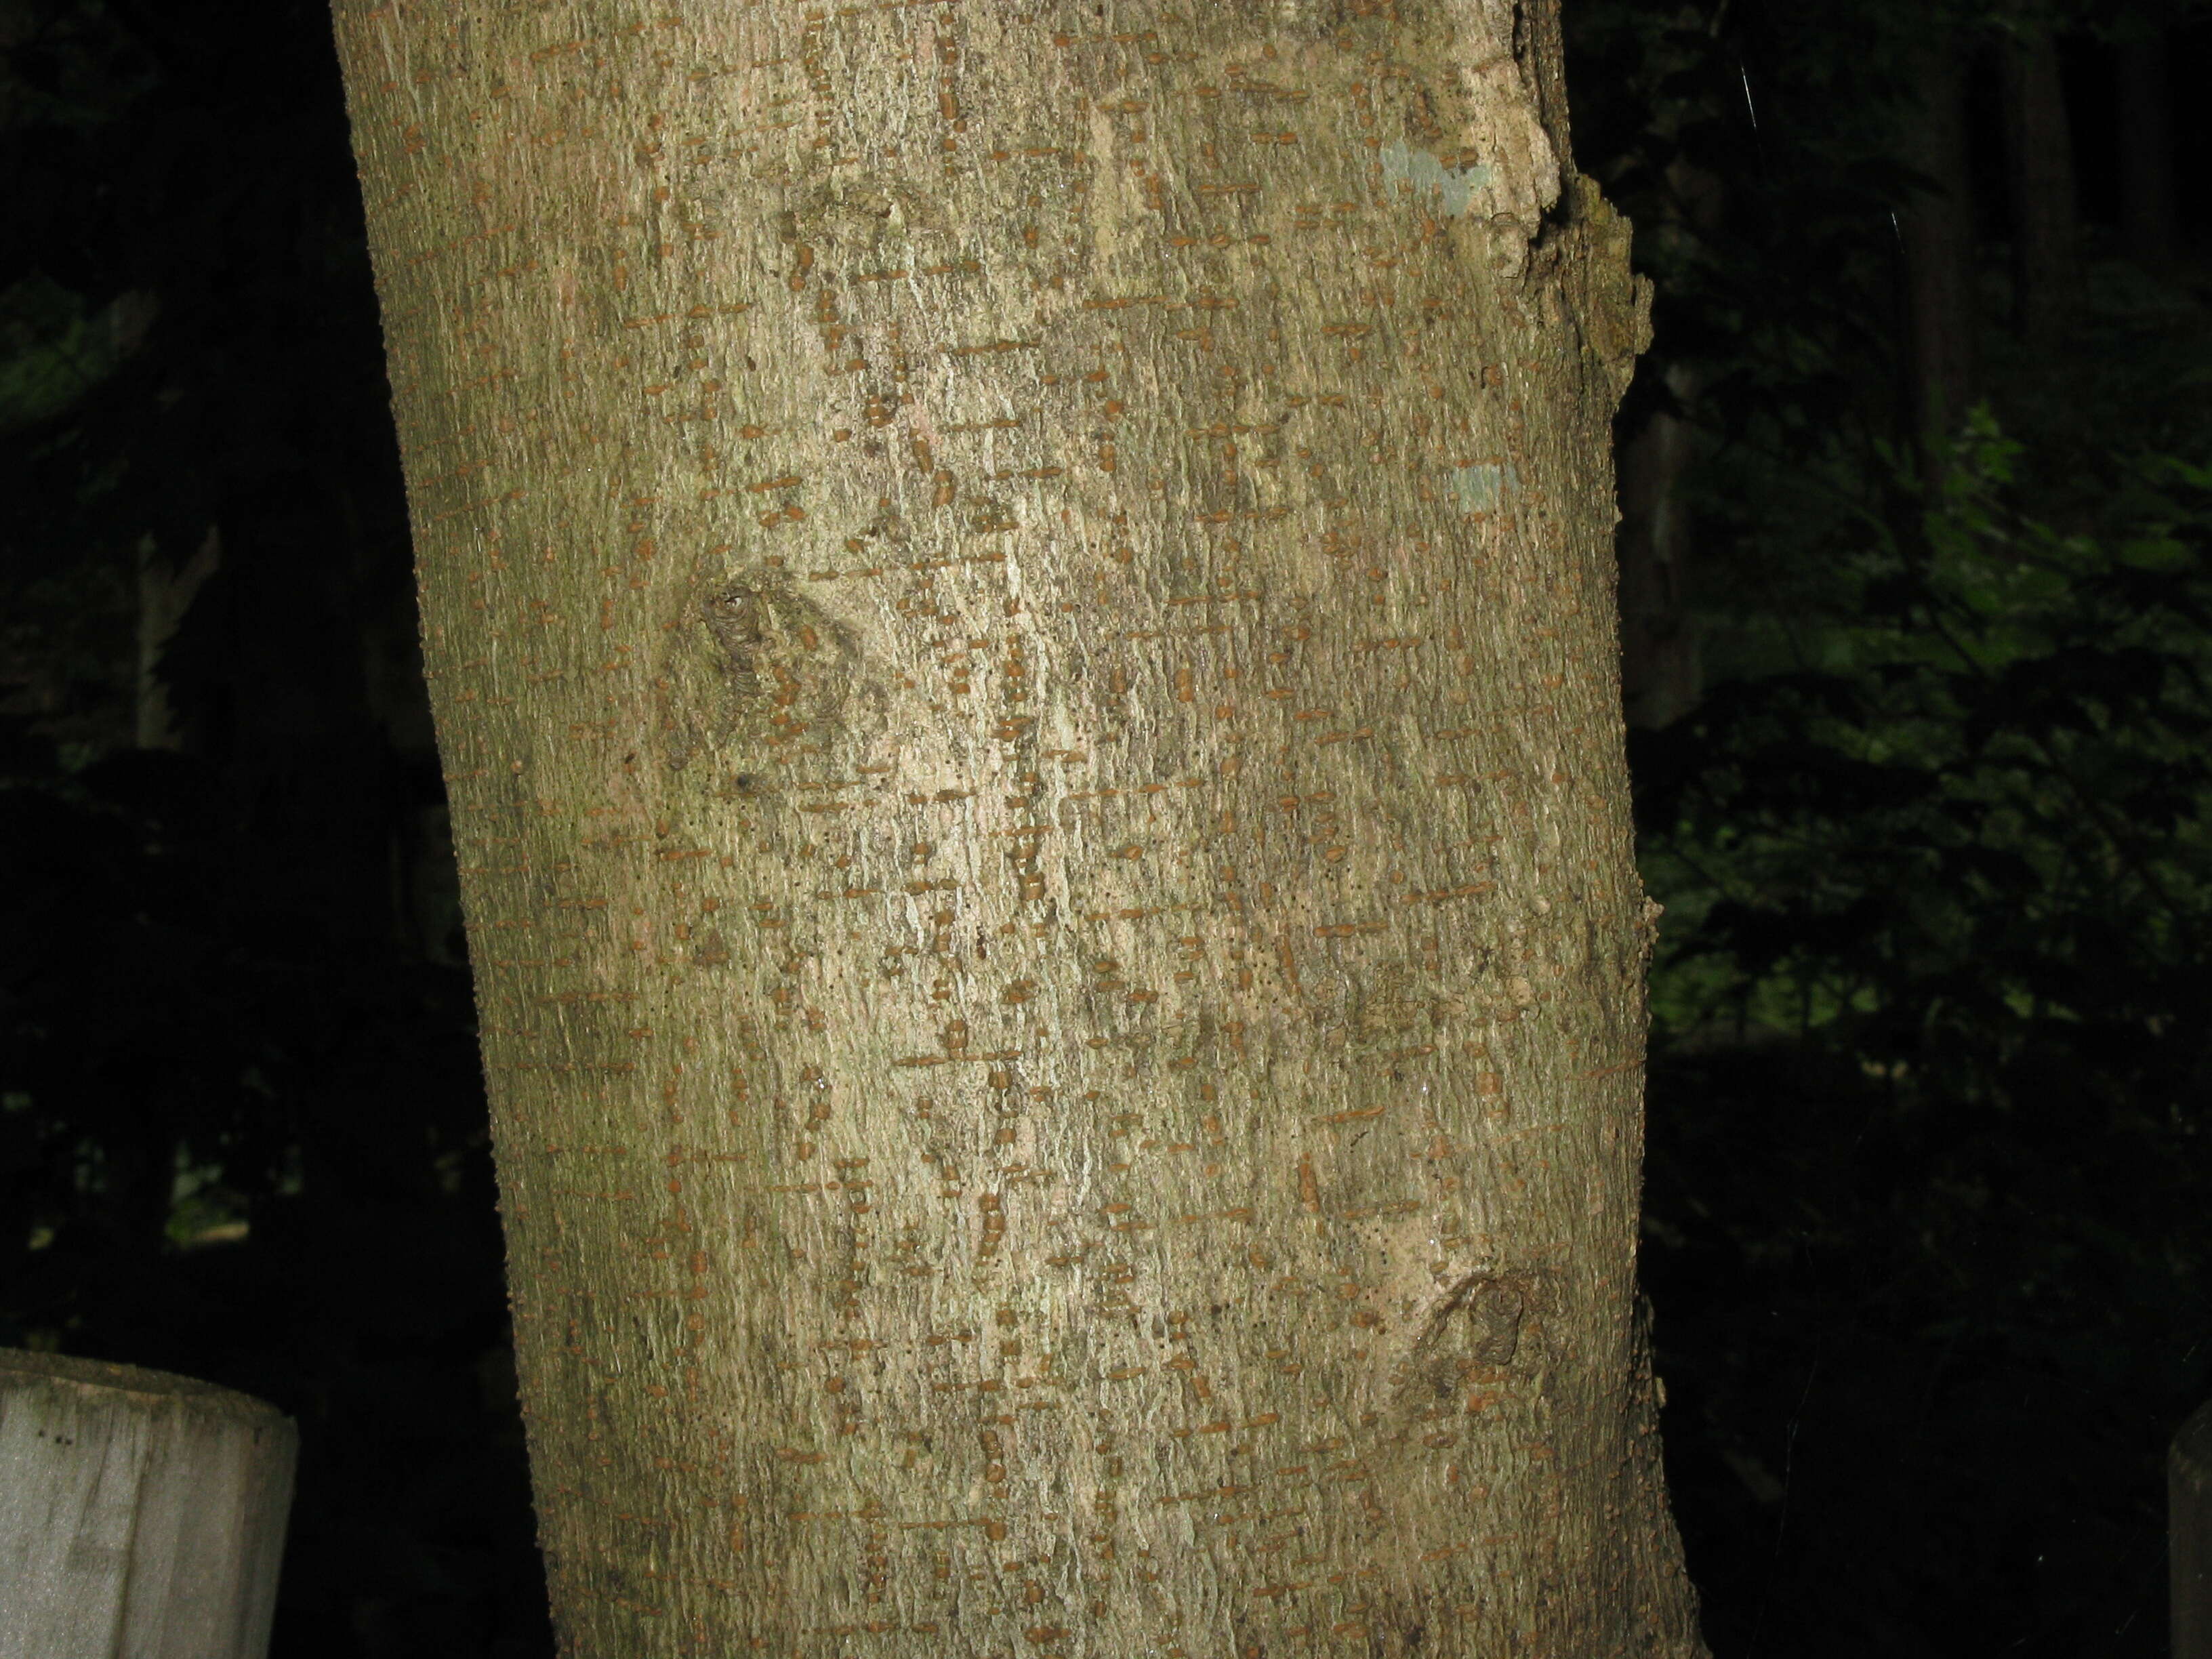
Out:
{"x": 2046, "y": 228}
{"x": 1937, "y": 225}
{"x": 1660, "y": 674}
{"x": 2149, "y": 214}
{"x": 2189, "y": 1534}
{"x": 1020, "y": 610}
{"x": 1659, "y": 667}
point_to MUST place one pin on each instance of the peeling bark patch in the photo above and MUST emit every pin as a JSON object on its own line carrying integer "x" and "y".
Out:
{"x": 1490, "y": 1331}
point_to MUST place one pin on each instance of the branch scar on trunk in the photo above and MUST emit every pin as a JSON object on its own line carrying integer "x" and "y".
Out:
{"x": 1474, "y": 1329}
{"x": 755, "y": 665}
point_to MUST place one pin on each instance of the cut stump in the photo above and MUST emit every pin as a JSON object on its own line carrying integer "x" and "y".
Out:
{"x": 141, "y": 1514}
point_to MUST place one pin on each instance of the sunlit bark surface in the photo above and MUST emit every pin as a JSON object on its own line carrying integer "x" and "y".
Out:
{"x": 1018, "y": 599}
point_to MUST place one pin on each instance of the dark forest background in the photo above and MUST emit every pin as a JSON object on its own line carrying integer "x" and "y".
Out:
{"x": 1917, "y": 580}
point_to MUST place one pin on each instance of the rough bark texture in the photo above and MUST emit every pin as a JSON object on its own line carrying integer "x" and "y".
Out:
{"x": 1937, "y": 226}
{"x": 2046, "y": 218}
{"x": 1020, "y": 606}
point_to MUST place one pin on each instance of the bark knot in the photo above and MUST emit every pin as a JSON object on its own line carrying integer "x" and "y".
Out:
{"x": 1472, "y": 1336}
{"x": 755, "y": 667}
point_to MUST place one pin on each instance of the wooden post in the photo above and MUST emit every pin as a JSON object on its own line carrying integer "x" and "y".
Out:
{"x": 140, "y": 1513}
{"x": 2189, "y": 1534}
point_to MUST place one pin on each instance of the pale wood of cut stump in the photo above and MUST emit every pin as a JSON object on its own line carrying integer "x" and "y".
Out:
{"x": 141, "y": 1514}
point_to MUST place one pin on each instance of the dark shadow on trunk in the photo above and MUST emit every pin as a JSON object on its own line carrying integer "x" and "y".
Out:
{"x": 1937, "y": 226}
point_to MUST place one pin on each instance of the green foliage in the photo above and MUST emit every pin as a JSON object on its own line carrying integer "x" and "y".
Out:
{"x": 1930, "y": 1149}
{"x": 1925, "y": 1216}
{"x": 1984, "y": 751}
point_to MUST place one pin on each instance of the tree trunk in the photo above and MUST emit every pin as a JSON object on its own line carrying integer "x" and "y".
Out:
{"x": 2149, "y": 215}
{"x": 1937, "y": 226}
{"x": 2046, "y": 231}
{"x": 141, "y": 1514}
{"x": 1019, "y": 607}
{"x": 1659, "y": 668}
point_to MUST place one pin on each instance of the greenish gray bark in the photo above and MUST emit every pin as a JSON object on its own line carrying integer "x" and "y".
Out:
{"x": 1020, "y": 606}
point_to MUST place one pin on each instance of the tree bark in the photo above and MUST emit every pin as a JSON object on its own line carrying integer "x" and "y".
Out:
{"x": 2046, "y": 229}
{"x": 2149, "y": 214}
{"x": 1937, "y": 226}
{"x": 1019, "y": 607}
